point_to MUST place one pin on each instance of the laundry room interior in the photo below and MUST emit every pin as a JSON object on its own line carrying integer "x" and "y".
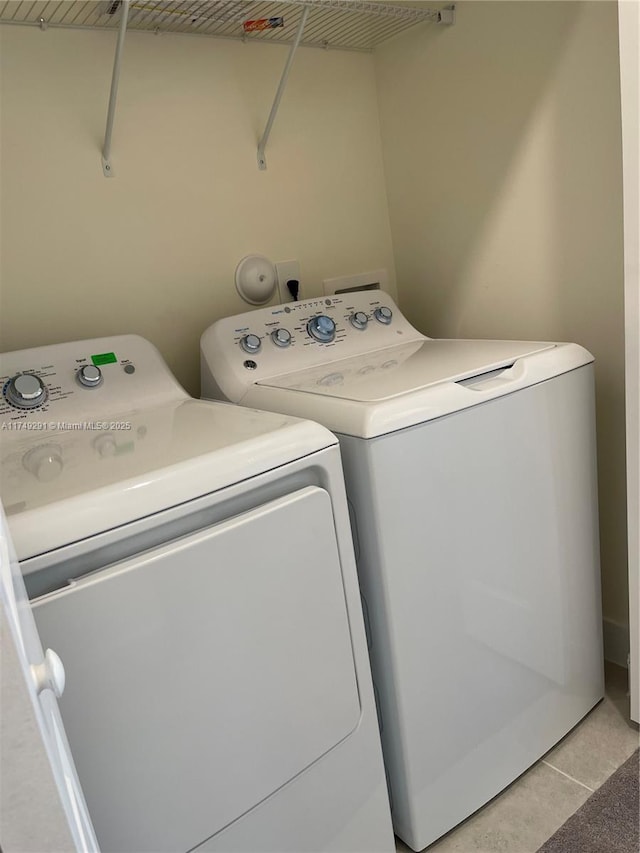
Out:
{"x": 478, "y": 163}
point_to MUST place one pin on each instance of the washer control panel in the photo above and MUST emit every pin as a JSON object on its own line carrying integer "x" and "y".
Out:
{"x": 252, "y": 347}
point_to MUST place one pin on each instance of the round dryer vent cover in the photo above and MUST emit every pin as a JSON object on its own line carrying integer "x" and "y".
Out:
{"x": 255, "y": 279}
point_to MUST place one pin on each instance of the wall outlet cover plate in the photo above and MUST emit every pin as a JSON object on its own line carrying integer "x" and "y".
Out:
{"x": 374, "y": 280}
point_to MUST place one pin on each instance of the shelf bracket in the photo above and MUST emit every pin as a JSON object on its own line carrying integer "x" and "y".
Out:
{"x": 262, "y": 163}
{"x": 107, "y": 169}
{"x": 447, "y": 15}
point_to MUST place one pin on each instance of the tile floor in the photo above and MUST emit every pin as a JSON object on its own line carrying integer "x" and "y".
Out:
{"x": 524, "y": 816}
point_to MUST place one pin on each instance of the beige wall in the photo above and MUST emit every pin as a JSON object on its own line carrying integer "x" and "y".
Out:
{"x": 153, "y": 250}
{"x": 501, "y": 140}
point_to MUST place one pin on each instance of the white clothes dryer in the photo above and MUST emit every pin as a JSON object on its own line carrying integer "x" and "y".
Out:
{"x": 471, "y": 477}
{"x": 192, "y": 566}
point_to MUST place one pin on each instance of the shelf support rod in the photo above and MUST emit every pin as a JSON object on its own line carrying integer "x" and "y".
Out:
{"x": 262, "y": 163}
{"x": 106, "y": 150}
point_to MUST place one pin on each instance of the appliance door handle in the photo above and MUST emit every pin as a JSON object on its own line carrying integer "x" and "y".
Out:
{"x": 50, "y": 674}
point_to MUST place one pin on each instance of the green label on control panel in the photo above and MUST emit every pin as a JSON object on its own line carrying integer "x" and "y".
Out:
{"x": 104, "y": 358}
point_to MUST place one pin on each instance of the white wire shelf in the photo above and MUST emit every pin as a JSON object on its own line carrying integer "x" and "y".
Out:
{"x": 344, "y": 24}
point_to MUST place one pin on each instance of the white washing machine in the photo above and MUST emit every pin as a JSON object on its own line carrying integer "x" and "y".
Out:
{"x": 192, "y": 566}
{"x": 471, "y": 477}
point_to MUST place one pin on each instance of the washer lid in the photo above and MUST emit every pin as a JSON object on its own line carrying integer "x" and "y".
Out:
{"x": 61, "y": 485}
{"x": 398, "y": 370}
{"x": 405, "y": 385}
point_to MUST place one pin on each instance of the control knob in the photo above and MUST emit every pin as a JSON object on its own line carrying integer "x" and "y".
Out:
{"x": 26, "y": 391}
{"x": 383, "y": 314}
{"x": 322, "y": 328}
{"x": 251, "y": 343}
{"x": 281, "y": 337}
{"x": 359, "y": 320}
{"x": 89, "y": 376}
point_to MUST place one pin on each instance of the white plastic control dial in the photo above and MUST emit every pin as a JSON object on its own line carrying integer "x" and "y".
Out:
{"x": 322, "y": 328}
{"x": 383, "y": 315}
{"x": 359, "y": 320}
{"x": 89, "y": 375}
{"x": 26, "y": 391}
{"x": 281, "y": 337}
{"x": 251, "y": 343}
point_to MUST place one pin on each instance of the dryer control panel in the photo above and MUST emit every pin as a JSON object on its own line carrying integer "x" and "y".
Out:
{"x": 82, "y": 380}
{"x": 68, "y": 411}
{"x": 239, "y": 351}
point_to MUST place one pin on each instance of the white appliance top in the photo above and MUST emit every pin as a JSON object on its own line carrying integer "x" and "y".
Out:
{"x": 355, "y": 364}
{"x": 410, "y": 367}
{"x": 79, "y": 460}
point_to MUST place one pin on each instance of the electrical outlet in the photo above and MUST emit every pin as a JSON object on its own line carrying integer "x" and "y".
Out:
{"x": 286, "y": 271}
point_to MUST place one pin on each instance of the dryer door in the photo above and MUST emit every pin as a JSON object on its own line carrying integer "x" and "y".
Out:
{"x": 205, "y": 674}
{"x": 36, "y": 762}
